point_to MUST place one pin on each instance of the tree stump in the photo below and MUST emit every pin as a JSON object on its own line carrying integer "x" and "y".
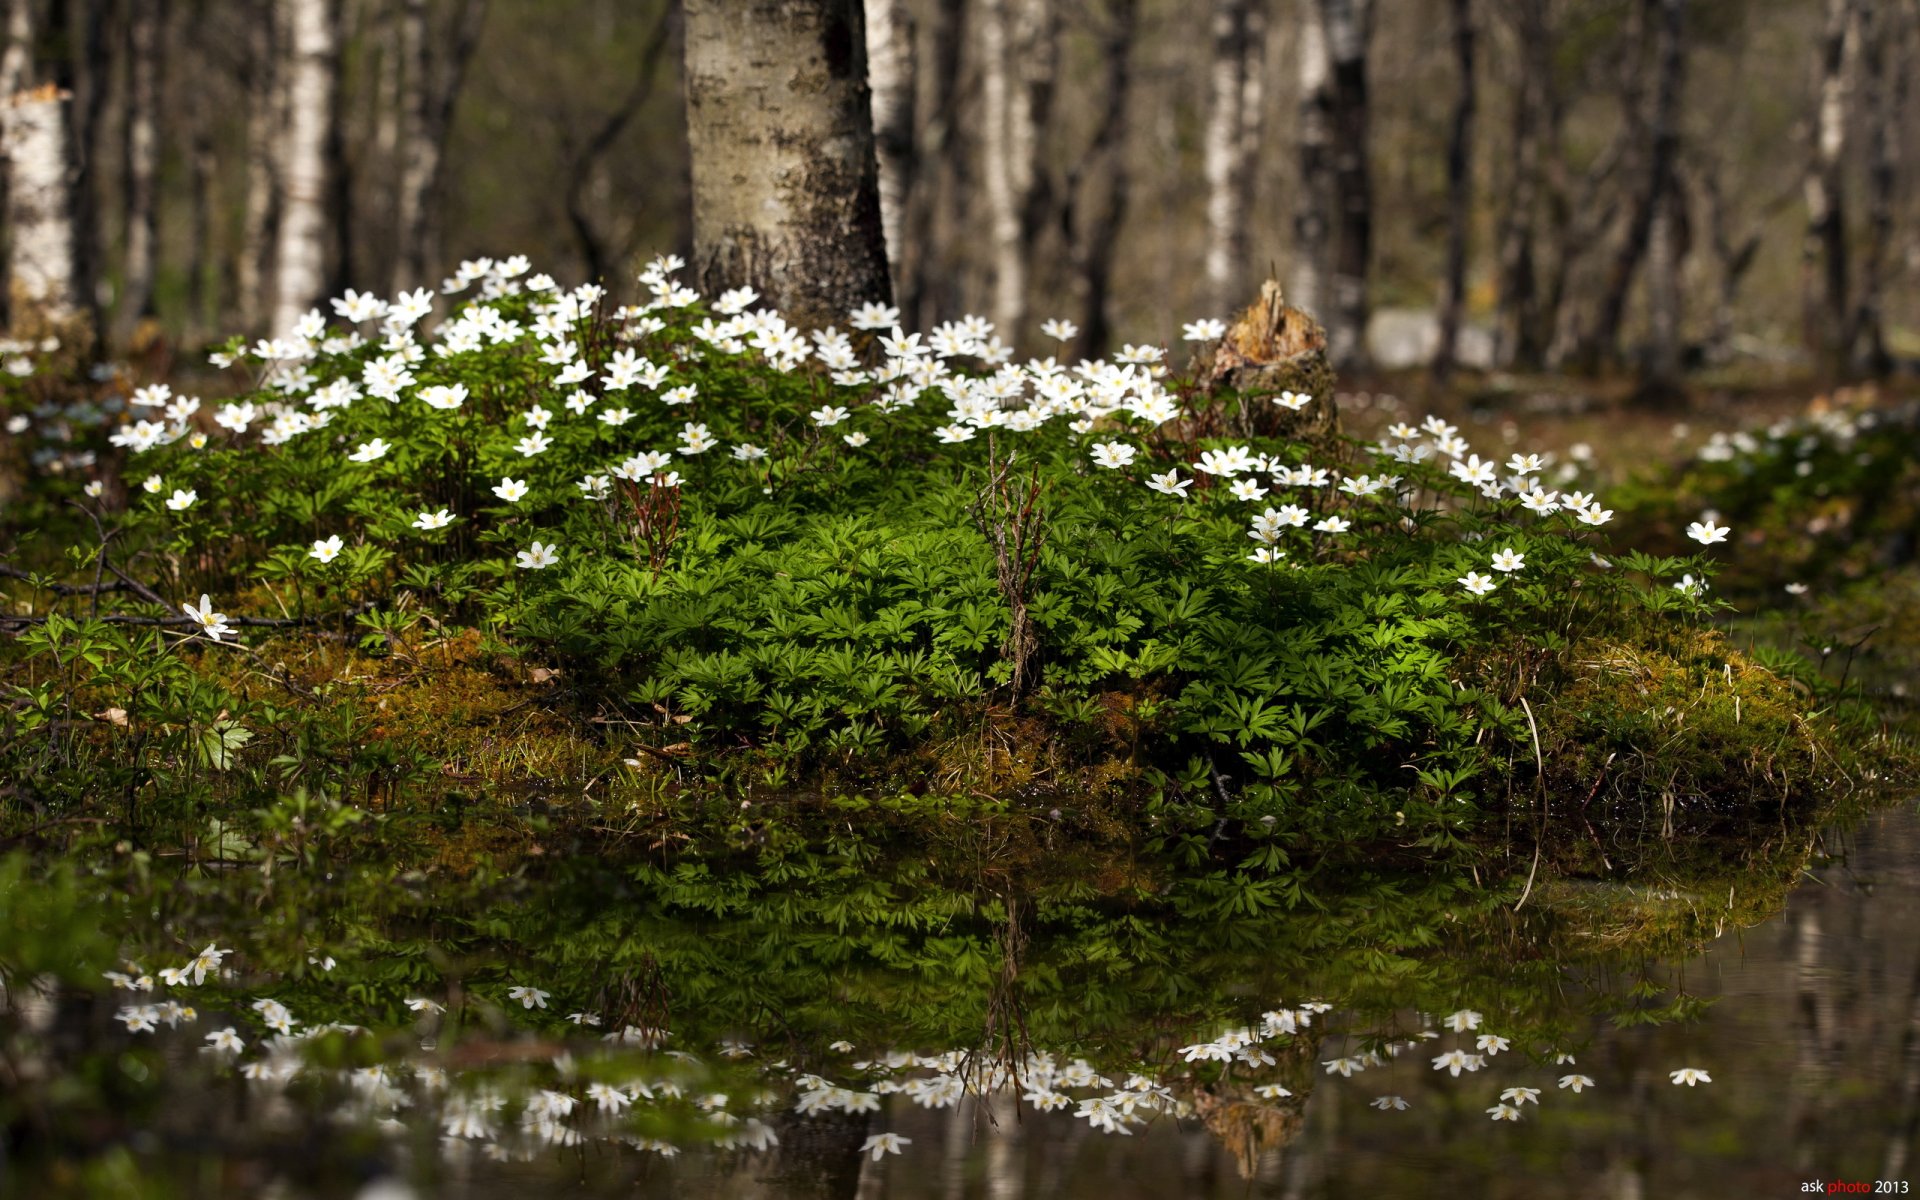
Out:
{"x": 1273, "y": 347}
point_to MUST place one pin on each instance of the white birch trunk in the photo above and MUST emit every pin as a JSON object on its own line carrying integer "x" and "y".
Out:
{"x": 16, "y": 59}
{"x": 780, "y": 128}
{"x": 419, "y": 150}
{"x": 890, "y": 77}
{"x": 300, "y": 258}
{"x": 997, "y": 148}
{"x": 1825, "y": 256}
{"x": 1233, "y": 109}
{"x": 42, "y": 273}
{"x": 1313, "y": 197}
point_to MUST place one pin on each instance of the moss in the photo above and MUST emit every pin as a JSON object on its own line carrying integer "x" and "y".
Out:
{"x": 1695, "y": 727}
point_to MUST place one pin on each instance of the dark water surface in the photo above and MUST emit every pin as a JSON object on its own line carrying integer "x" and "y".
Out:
{"x": 1784, "y": 964}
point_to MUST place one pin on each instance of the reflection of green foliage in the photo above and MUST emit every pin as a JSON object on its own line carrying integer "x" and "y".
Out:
{"x": 48, "y": 924}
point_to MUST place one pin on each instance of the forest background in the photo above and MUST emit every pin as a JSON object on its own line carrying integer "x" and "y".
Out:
{"x": 1643, "y": 188}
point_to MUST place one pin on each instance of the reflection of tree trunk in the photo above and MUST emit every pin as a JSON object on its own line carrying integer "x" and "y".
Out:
{"x": 1453, "y": 294}
{"x": 1825, "y": 286}
{"x": 819, "y": 1156}
{"x": 1813, "y": 1037}
{"x": 955, "y": 1143}
{"x": 145, "y": 43}
{"x": 1232, "y": 143}
{"x": 1006, "y": 1150}
{"x": 890, "y": 75}
{"x": 306, "y": 180}
{"x": 786, "y": 197}
{"x": 1906, "y": 1125}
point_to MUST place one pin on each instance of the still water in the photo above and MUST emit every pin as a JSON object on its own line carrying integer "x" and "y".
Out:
{"x": 1027, "y": 1020}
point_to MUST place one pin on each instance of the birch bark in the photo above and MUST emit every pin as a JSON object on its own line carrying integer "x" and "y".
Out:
{"x": 785, "y": 189}
{"x": 312, "y": 77}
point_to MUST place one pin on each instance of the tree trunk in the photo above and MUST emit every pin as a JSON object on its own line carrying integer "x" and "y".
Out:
{"x": 1517, "y": 321}
{"x": 431, "y": 88}
{"x": 583, "y": 166}
{"x": 16, "y": 58}
{"x": 1666, "y": 248}
{"x": 1349, "y": 26}
{"x": 786, "y": 198}
{"x": 1101, "y": 184}
{"x": 1662, "y": 133}
{"x": 84, "y": 24}
{"x": 253, "y": 265}
{"x": 939, "y": 196}
{"x": 1005, "y": 249}
{"x": 1884, "y": 34}
{"x": 1231, "y": 143}
{"x": 312, "y": 79}
{"x": 1733, "y": 257}
{"x": 43, "y": 273}
{"x": 1825, "y": 284}
{"x": 1307, "y": 287}
{"x": 891, "y": 78}
{"x": 1453, "y": 296}
{"x": 146, "y": 44}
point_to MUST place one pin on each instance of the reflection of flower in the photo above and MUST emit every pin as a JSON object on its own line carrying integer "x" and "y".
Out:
{"x": 884, "y": 1143}
{"x": 1691, "y": 1076}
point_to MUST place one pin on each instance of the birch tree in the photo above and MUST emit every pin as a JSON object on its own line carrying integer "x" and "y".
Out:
{"x": 1236, "y": 83}
{"x": 1824, "y": 257}
{"x": 1307, "y": 287}
{"x": 1019, "y": 56}
{"x": 43, "y": 272}
{"x": 305, "y": 184}
{"x": 890, "y": 77}
{"x": 779, "y": 119}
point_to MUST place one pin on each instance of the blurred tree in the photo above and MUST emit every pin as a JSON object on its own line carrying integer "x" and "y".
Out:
{"x": 307, "y": 159}
{"x": 1453, "y": 294}
{"x": 1236, "y": 91}
{"x": 146, "y": 52}
{"x": 434, "y": 64}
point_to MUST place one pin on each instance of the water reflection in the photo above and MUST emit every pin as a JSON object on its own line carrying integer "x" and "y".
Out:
{"x": 1057, "y": 1024}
